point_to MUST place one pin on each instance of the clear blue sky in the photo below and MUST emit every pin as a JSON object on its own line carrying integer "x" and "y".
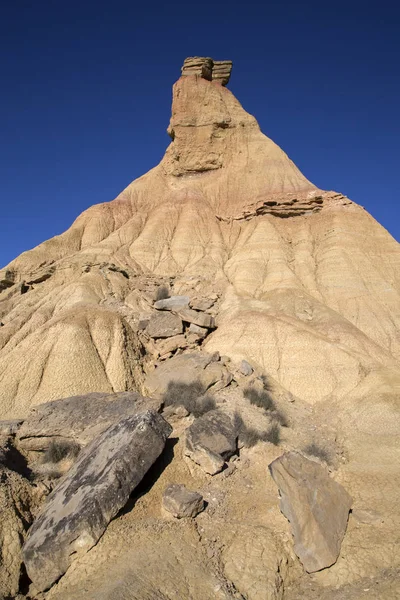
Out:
{"x": 86, "y": 94}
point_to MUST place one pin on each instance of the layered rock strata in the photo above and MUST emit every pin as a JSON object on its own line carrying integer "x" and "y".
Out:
{"x": 207, "y": 68}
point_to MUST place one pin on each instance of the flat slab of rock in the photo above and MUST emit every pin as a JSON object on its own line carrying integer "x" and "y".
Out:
{"x": 316, "y": 506}
{"x": 171, "y": 344}
{"x": 79, "y": 418}
{"x": 181, "y": 502}
{"x": 172, "y": 303}
{"x": 201, "y": 303}
{"x": 164, "y": 325}
{"x": 198, "y": 318}
{"x": 91, "y": 494}
{"x": 210, "y": 440}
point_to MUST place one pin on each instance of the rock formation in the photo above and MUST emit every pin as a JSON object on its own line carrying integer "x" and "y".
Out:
{"x": 207, "y": 68}
{"x": 282, "y": 279}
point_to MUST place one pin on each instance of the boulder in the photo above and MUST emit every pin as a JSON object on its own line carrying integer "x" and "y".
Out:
{"x": 210, "y": 439}
{"x": 193, "y": 367}
{"x": 181, "y": 502}
{"x": 316, "y": 506}
{"x": 164, "y": 325}
{"x": 201, "y": 332}
{"x": 172, "y": 303}
{"x": 197, "y": 318}
{"x": 91, "y": 494}
{"x": 79, "y": 418}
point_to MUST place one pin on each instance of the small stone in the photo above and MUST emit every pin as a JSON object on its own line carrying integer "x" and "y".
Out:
{"x": 175, "y": 411}
{"x": 181, "y": 502}
{"x": 215, "y": 356}
{"x": 225, "y": 360}
{"x": 245, "y": 368}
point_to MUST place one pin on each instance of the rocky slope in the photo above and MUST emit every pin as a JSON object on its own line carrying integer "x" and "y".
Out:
{"x": 307, "y": 286}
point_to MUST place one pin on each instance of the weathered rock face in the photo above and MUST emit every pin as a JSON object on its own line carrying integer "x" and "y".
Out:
{"x": 80, "y": 418}
{"x": 193, "y": 367}
{"x": 316, "y": 506}
{"x": 15, "y": 509}
{"x": 98, "y": 485}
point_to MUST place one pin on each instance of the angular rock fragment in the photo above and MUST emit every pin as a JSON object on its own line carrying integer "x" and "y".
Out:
{"x": 211, "y": 462}
{"x": 181, "y": 502}
{"x": 198, "y": 318}
{"x": 201, "y": 303}
{"x": 201, "y": 332}
{"x": 210, "y": 438}
{"x": 172, "y": 303}
{"x": 79, "y": 418}
{"x": 90, "y": 495}
{"x": 316, "y": 506}
{"x": 171, "y": 344}
{"x": 164, "y": 325}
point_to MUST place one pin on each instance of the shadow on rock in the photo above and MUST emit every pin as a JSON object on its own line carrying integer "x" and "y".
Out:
{"x": 151, "y": 476}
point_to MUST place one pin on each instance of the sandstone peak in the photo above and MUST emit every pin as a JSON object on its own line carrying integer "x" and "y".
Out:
{"x": 207, "y": 68}
{"x": 301, "y": 283}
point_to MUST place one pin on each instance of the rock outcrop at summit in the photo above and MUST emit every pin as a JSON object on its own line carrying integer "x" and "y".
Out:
{"x": 207, "y": 68}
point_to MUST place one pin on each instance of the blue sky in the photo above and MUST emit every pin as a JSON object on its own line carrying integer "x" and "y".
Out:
{"x": 86, "y": 96}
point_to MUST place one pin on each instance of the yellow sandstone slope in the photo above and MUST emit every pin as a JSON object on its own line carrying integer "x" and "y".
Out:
{"x": 309, "y": 280}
